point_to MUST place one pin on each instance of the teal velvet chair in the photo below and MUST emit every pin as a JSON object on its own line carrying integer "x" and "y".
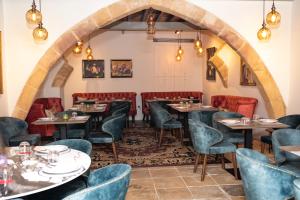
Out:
{"x": 163, "y": 120}
{"x": 207, "y": 140}
{"x": 292, "y": 120}
{"x": 112, "y": 132}
{"x": 262, "y": 180}
{"x": 233, "y": 136}
{"x": 107, "y": 183}
{"x": 285, "y": 160}
{"x": 78, "y": 144}
{"x": 123, "y": 109}
{"x": 14, "y": 131}
{"x": 297, "y": 188}
{"x": 74, "y": 131}
{"x": 203, "y": 116}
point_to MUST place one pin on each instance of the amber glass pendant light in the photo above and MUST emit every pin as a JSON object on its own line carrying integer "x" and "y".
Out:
{"x": 33, "y": 16}
{"x": 264, "y": 33}
{"x": 40, "y": 33}
{"x": 273, "y": 18}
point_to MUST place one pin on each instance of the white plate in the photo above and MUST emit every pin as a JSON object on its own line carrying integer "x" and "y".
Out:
{"x": 268, "y": 120}
{"x": 46, "y": 119}
{"x": 206, "y": 106}
{"x": 61, "y": 168}
{"x": 55, "y": 174}
{"x": 46, "y": 149}
{"x": 80, "y": 117}
{"x": 74, "y": 108}
{"x": 231, "y": 121}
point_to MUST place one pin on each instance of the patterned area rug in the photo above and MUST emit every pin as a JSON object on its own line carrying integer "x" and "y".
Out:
{"x": 140, "y": 149}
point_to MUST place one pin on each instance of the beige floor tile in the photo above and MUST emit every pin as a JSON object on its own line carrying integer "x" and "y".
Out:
{"x": 157, "y": 173}
{"x": 188, "y": 171}
{"x": 216, "y": 170}
{"x": 136, "y": 174}
{"x": 141, "y": 195}
{"x": 169, "y": 182}
{"x": 238, "y": 198}
{"x": 226, "y": 179}
{"x": 142, "y": 183}
{"x": 196, "y": 181}
{"x": 174, "y": 194}
{"x": 208, "y": 193}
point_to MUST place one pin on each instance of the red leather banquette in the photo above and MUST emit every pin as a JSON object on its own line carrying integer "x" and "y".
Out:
{"x": 37, "y": 110}
{"x": 171, "y": 95}
{"x": 243, "y": 105}
{"x": 109, "y": 96}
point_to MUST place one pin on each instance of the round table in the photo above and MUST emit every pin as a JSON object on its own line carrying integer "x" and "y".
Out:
{"x": 22, "y": 187}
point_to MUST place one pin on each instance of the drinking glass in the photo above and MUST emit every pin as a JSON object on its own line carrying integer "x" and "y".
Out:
{"x": 74, "y": 115}
{"x": 255, "y": 117}
{"x": 25, "y": 149}
{"x": 6, "y": 174}
{"x": 52, "y": 157}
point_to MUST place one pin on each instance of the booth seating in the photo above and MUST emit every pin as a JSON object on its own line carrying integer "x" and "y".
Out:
{"x": 197, "y": 95}
{"x": 243, "y": 105}
{"x": 108, "y": 97}
{"x": 37, "y": 110}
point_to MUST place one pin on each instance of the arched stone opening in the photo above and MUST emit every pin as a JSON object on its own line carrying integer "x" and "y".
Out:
{"x": 181, "y": 8}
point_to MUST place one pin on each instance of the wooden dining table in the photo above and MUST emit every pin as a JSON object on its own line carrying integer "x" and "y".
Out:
{"x": 31, "y": 178}
{"x": 247, "y": 128}
{"x": 63, "y": 124}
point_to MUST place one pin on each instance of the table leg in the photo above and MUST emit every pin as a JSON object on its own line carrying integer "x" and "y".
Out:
{"x": 63, "y": 131}
{"x": 248, "y": 138}
{"x": 186, "y": 125}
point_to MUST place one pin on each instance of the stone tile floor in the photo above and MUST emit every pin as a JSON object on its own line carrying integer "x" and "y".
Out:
{"x": 180, "y": 183}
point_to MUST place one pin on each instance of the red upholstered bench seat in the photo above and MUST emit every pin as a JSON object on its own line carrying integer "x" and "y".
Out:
{"x": 243, "y": 105}
{"x": 37, "y": 110}
{"x": 109, "y": 96}
{"x": 150, "y": 95}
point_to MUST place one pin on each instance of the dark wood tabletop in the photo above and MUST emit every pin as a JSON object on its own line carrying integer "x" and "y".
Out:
{"x": 76, "y": 120}
{"x": 191, "y": 107}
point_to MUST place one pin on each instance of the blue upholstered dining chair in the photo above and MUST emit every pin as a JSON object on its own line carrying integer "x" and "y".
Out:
{"x": 163, "y": 120}
{"x": 297, "y": 188}
{"x": 74, "y": 130}
{"x": 78, "y": 144}
{"x": 207, "y": 140}
{"x": 123, "y": 109}
{"x": 285, "y": 160}
{"x": 107, "y": 183}
{"x": 112, "y": 131}
{"x": 292, "y": 120}
{"x": 233, "y": 136}
{"x": 262, "y": 180}
{"x": 13, "y": 131}
{"x": 203, "y": 116}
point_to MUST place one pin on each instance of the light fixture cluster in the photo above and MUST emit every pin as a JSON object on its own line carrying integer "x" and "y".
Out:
{"x": 151, "y": 23}
{"x": 180, "y": 49}
{"x": 78, "y": 49}
{"x": 272, "y": 20}
{"x": 198, "y": 44}
{"x": 34, "y": 17}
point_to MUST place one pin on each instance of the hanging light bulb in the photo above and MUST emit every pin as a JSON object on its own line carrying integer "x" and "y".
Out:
{"x": 78, "y": 47}
{"x": 197, "y": 42}
{"x": 90, "y": 57}
{"x": 88, "y": 50}
{"x": 151, "y": 23}
{"x": 40, "y": 33}
{"x": 264, "y": 34}
{"x": 180, "y": 51}
{"x": 199, "y": 51}
{"x": 33, "y": 16}
{"x": 178, "y": 57}
{"x": 273, "y": 18}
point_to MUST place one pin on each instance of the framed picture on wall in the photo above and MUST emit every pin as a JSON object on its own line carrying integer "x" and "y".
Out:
{"x": 247, "y": 78}
{"x": 210, "y": 68}
{"x": 121, "y": 68}
{"x": 1, "y": 79}
{"x": 92, "y": 68}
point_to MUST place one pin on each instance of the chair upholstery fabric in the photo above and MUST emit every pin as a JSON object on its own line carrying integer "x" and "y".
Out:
{"x": 13, "y": 131}
{"x": 243, "y": 105}
{"x": 203, "y": 116}
{"x": 262, "y": 180}
{"x": 109, "y": 183}
{"x": 233, "y": 136}
{"x": 297, "y": 188}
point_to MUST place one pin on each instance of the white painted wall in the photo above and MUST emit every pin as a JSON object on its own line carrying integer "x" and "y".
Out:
{"x": 233, "y": 61}
{"x": 21, "y": 53}
{"x": 154, "y": 66}
{"x": 294, "y": 105}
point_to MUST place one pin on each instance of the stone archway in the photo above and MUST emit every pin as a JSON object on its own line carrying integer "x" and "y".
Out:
{"x": 181, "y": 8}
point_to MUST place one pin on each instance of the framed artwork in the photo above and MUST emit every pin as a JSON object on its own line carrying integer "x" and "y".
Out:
{"x": 1, "y": 78}
{"x": 121, "y": 68}
{"x": 210, "y": 69}
{"x": 247, "y": 78}
{"x": 92, "y": 68}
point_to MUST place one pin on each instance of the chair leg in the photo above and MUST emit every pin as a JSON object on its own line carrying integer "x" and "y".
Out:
{"x": 160, "y": 136}
{"x": 204, "y": 167}
{"x": 115, "y": 151}
{"x": 223, "y": 161}
{"x": 198, "y": 158}
{"x": 234, "y": 165}
{"x": 262, "y": 147}
{"x": 181, "y": 135}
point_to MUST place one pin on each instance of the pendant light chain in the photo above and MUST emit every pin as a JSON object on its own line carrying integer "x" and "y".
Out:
{"x": 264, "y": 5}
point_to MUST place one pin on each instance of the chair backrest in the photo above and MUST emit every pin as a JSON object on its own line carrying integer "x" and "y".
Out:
{"x": 77, "y": 144}
{"x": 203, "y": 136}
{"x": 123, "y": 109}
{"x": 109, "y": 183}
{"x": 297, "y": 188}
{"x": 117, "y": 105}
{"x": 203, "y": 116}
{"x": 292, "y": 120}
{"x": 285, "y": 137}
{"x": 114, "y": 126}
{"x": 222, "y": 115}
{"x": 262, "y": 180}
{"x": 10, "y": 127}
{"x": 159, "y": 115}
